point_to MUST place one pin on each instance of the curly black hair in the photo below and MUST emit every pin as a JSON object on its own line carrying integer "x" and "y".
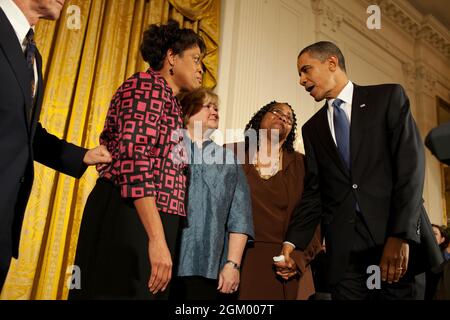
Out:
{"x": 160, "y": 38}
{"x": 255, "y": 123}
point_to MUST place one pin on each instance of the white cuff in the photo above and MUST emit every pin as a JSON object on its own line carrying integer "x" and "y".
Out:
{"x": 287, "y": 242}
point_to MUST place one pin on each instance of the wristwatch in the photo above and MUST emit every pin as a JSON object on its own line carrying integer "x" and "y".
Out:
{"x": 234, "y": 264}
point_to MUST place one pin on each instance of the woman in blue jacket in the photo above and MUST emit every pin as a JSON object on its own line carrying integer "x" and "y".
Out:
{"x": 219, "y": 219}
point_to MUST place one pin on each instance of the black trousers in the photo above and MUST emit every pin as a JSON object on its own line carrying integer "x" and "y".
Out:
{"x": 353, "y": 284}
{"x": 194, "y": 288}
{"x": 198, "y": 288}
{"x": 5, "y": 261}
{"x": 3, "y": 273}
{"x": 112, "y": 251}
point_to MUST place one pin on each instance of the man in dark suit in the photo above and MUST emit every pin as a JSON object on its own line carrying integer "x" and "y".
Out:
{"x": 22, "y": 138}
{"x": 364, "y": 181}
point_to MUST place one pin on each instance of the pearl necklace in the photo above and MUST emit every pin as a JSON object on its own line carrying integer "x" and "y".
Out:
{"x": 267, "y": 173}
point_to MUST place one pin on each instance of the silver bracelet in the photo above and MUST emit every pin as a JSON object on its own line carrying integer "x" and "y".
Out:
{"x": 234, "y": 264}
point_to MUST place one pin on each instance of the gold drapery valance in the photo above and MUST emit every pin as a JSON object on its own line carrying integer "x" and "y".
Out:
{"x": 83, "y": 67}
{"x": 206, "y": 13}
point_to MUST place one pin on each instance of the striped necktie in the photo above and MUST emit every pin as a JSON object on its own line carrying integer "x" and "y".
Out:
{"x": 342, "y": 131}
{"x": 30, "y": 54}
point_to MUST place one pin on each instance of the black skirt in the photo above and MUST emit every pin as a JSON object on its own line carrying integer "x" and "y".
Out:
{"x": 112, "y": 251}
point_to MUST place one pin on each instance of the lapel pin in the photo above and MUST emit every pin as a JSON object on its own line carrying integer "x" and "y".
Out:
{"x": 363, "y": 105}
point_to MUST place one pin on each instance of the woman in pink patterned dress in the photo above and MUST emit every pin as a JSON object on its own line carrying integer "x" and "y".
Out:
{"x": 131, "y": 219}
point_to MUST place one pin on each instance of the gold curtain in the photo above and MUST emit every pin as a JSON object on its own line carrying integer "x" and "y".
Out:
{"x": 83, "y": 67}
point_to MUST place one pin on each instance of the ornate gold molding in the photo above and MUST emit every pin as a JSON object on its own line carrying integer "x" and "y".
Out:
{"x": 427, "y": 79}
{"x": 420, "y": 75}
{"x": 424, "y": 28}
{"x": 409, "y": 72}
{"x": 329, "y": 17}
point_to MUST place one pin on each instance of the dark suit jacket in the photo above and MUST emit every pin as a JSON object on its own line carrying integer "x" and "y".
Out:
{"x": 386, "y": 178}
{"x": 23, "y": 140}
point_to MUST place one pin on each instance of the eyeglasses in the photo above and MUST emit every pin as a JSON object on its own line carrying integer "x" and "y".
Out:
{"x": 284, "y": 117}
{"x": 197, "y": 59}
{"x": 211, "y": 105}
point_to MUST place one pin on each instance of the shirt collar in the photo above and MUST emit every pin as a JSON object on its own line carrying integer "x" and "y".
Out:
{"x": 345, "y": 95}
{"x": 17, "y": 19}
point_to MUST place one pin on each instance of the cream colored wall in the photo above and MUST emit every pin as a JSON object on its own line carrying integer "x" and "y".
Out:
{"x": 260, "y": 41}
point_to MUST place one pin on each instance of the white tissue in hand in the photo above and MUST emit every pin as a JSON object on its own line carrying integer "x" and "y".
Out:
{"x": 278, "y": 258}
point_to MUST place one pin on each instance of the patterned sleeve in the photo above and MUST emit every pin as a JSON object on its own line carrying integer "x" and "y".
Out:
{"x": 140, "y": 110}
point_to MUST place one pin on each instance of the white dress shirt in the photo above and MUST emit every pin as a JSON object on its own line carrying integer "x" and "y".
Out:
{"x": 20, "y": 25}
{"x": 345, "y": 95}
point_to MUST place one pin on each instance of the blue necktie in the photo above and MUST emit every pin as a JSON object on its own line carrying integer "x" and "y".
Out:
{"x": 342, "y": 131}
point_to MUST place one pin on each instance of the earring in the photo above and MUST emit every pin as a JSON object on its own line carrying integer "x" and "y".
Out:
{"x": 171, "y": 71}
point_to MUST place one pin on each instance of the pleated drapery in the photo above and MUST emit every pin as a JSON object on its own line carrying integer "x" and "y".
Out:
{"x": 82, "y": 69}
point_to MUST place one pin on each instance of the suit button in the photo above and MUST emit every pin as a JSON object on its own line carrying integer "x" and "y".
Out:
{"x": 22, "y": 180}
{"x": 355, "y": 186}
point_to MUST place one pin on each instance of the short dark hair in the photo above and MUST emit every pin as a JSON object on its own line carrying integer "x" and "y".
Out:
{"x": 192, "y": 101}
{"x": 322, "y": 50}
{"x": 160, "y": 38}
{"x": 255, "y": 124}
